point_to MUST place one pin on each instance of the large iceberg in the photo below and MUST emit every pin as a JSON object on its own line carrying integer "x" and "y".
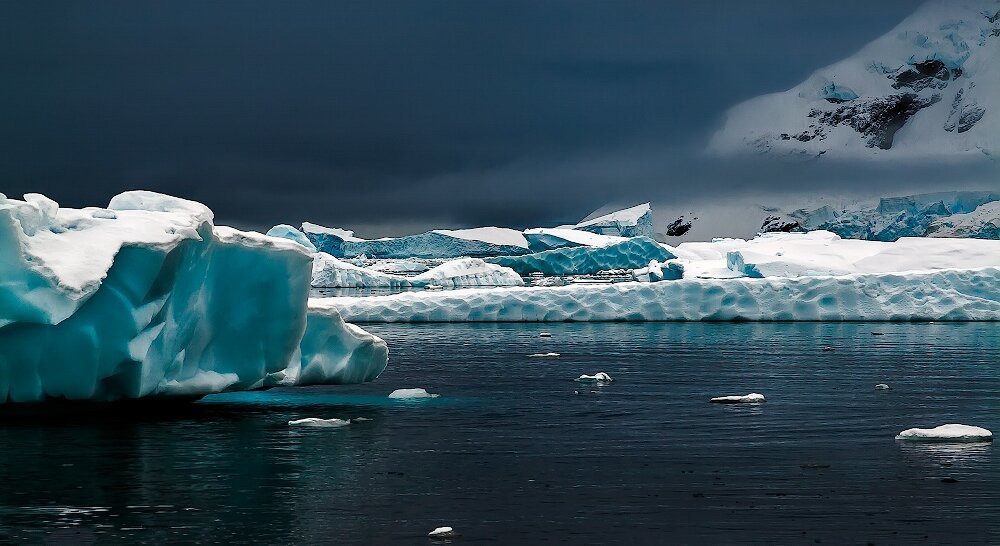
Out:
{"x": 329, "y": 272}
{"x": 950, "y": 294}
{"x": 438, "y": 243}
{"x": 147, "y": 298}
{"x": 631, "y": 222}
{"x": 585, "y": 260}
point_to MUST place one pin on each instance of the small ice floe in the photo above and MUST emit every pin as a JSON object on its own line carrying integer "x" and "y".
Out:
{"x": 881, "y": 387}
{"x": 543, "y": 355}
{"x": 317, "y": 422}
{"x": 828, "y": 348}
{"x": 545, "y": 334}
{"x": 752, "y": 398}
{"x": 433, "y": 287}
{"x": 443, "y": 532}
{"x": 360, "y": 419}
{"x": 411, "y": 394}
{"x": 599, "y": 377}
{"x": 947, "y": 433}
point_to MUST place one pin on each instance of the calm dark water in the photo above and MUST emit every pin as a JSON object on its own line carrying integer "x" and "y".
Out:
{"x": 510, "y": 454}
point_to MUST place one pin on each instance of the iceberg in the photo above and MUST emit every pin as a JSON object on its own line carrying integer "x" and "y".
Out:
{"x": 655, "y": 271}
{"x": 147, "y": 298}
{"x": 541, "y": 239}
{"x": 286, "y": 231}
{"x": 630, "y": 253}
{"x": 438, "y": 243}
{"x": 635, "y": 221}
{"x": 329, "y": 272}
{"x": 947, "y": 433}
{"x": 819, "y": 253}
{"x": 941, "y": 295}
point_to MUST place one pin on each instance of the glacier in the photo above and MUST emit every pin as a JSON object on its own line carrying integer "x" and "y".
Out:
{"x": 147, "y": 298}
{"x": 928, "y": 88}
{"x": 629, "y": 253}
{"x": 982, "y": 223}
{"x": 329, "y": 272}
{"x": 438, "y": 243}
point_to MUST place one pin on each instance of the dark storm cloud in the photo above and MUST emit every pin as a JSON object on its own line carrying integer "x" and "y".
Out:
{"x": 390, "y": 114}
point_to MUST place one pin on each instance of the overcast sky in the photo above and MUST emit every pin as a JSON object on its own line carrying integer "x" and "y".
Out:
{"x": 401, "y": 115}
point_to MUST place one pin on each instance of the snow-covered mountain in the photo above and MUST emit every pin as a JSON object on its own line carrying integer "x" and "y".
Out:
{"x": 929, "y": 87}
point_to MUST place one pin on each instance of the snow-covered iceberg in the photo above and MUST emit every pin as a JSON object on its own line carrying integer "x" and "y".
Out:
{"x": 541, "y": 239}
{"x": 329, "y": 272}
{"x": 634, "y": 221}
{"x": 438, "y": 243}
{"x": 820, "y": 253}
{"x": 147, "y": 298}
{"x": 927, "y": 88}
{"x": 948, "y": 294}
{"x": 630, "y": 253}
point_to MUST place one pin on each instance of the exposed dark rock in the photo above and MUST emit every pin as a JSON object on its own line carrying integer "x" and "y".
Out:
{"x": 926, "y": 74}
{"x": 877, "y": 119}
{"x": 679, "y": 227}
{"x": 964, "y": 113}
{"x": 774, "y": 224}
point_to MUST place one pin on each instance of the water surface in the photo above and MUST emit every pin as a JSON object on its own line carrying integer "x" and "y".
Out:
{"x": 516, "y": 452}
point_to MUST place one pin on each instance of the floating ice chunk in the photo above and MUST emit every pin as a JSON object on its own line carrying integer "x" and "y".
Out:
{"x": 752, "y": 398}
{"x": 411, "y": 394}
{"x": 599, "y": 377}
{"x": 881, "y": 387}
{"x": 443, "y": 532}
{"x": 947, "y": 433}
{"x": 545, "y": 334}
{"x": 360, "y": 419}
{"x": 317, "y": 422}
{"x": 543, "y": 355}
{"x": 828, "y": 348}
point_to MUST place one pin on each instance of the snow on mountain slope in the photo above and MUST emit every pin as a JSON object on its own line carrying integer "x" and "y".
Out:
{"x": 929, "y": 87}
